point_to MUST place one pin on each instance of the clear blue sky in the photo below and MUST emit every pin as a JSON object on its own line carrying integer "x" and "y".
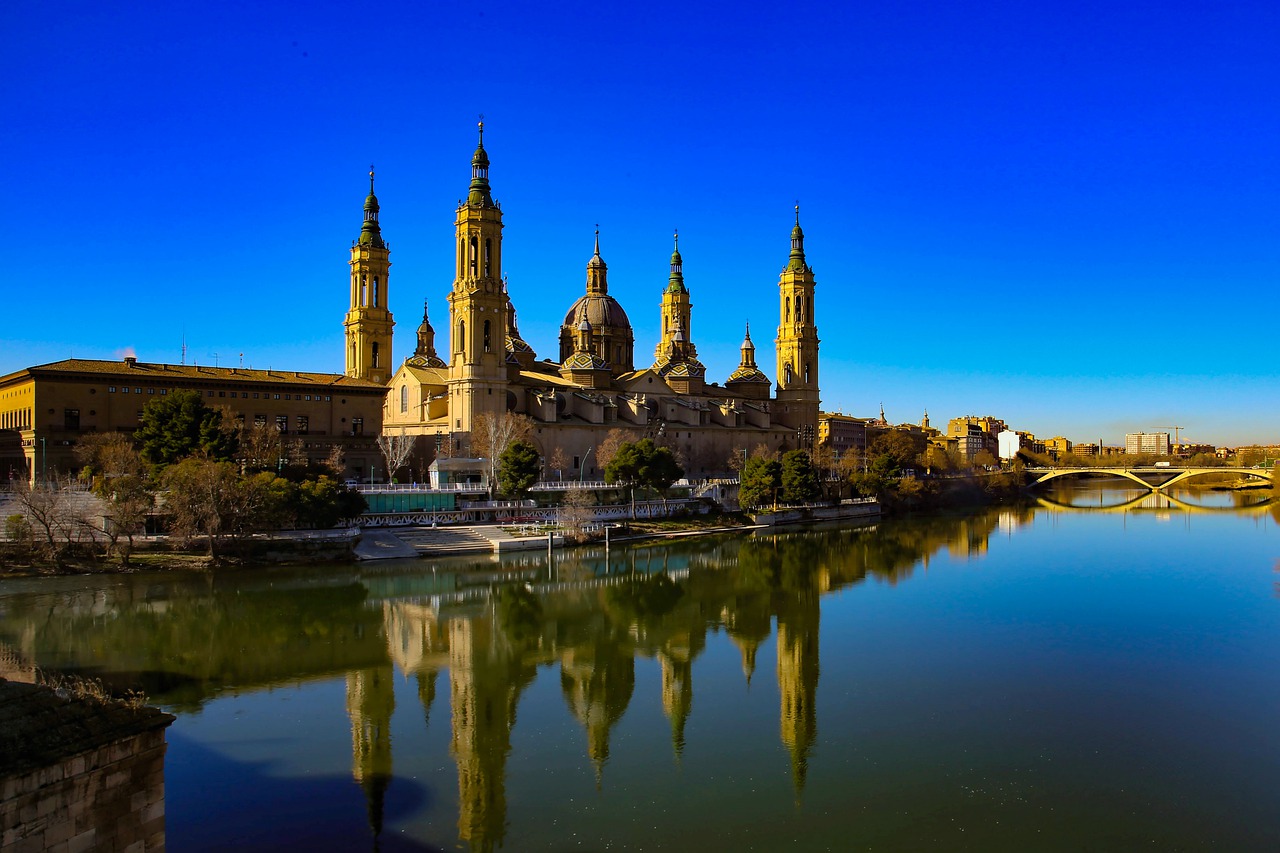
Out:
{"x": 1062, "y": 214}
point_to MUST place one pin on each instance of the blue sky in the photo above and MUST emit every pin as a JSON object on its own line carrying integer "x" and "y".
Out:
{"x": 1060, "y": 214}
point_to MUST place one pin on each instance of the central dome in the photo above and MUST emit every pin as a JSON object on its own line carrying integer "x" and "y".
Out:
{"x": 601, "y": 310}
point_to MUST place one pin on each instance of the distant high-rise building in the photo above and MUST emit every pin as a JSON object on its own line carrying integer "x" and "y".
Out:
{"x": 1147, "y": 442}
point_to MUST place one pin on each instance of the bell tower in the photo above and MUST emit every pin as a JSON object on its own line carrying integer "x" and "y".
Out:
{"x": 368, "y": 324}
{"x": 797, "y": 345}
{"x": 477, "y": 304}
{"x": 677, "y": 311}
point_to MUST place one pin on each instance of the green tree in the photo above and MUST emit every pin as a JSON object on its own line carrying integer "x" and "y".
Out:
{"x": 902, "y": 447}
{"x": 179, "y": 425}
{"x": 518, "y": 468}
{"x": 642, "y": 463}
{"x": 800, "y": 480}
{"x": 761, "y": 480}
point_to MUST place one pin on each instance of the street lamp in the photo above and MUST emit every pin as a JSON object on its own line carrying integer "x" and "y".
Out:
{"x": 583, "y": 467}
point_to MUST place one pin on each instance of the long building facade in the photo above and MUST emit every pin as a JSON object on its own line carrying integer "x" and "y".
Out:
{"x": 46, "y": 410}
{"x": 595, "y": 384}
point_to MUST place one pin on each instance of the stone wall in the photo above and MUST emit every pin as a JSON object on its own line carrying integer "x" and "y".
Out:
{"x": 79, "y": 773}
{"x": 110, "y": 798}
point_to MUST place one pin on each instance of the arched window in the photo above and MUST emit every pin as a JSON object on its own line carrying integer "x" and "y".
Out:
{"x": 462, "y": 336}
{"x": 404, "y": 399}
{"x": 487, "y": 270}
{"x": 473, "y": 255}
{"x": 375, "y": 353}
{"x": 375, "y": 291}
{"x": 486, "y": 335}
{"x": 364, "y": 289}
{"x": 788, "y": 309}
{"x": 799, "y": 309}
{"x": 788, "y": 374}
{"x": 806, "y": 373}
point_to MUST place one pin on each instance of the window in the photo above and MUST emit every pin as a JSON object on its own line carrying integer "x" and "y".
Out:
{"x": 404, "y": 399}
{"x": 282, "y": 423}
{"x": 137, "y": 390}
{"x": 163, "y": 391}
{"x": 233, "y": 395}
{"x": 788, "y": 302}
{"x": 71, "y": 419}
{"x": 111, "y": 389}
{"x": 375, "y": 353}
{"x": 307, "y": 398}
{"x": 222, "y": 393}
{"x": 275, "y": 396}
{"x": 375, "y": 291}
{"x": 304, "y": 424}
{"x": 255, "y": 395}
{"x": 288, "y": 397}
{"x": 151, "y": 390}
{"x": 486, "y": 256}
{"x": 327, "y": 398}
{"x": 364, "y": 289}
{"x": 486, "y": 335}
{"x": 357, "y": 426}
{"x": 124, "y": 390}
{"x": 462, "y": 336}
{"x": 259, "y": 420}
{"x": 210, "y": 393}
{"x": 473, "y": 256}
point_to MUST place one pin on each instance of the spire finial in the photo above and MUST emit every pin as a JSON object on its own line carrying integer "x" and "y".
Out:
{"x": 370, "y": 179}
{"x": 480, "y": 124}
{"x": 597, "y": 239}
{"x": 797, "y": 211}
{"x": 676, "y": 238}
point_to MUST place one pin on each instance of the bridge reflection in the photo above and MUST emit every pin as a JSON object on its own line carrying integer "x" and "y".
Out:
{"x": 1159, "y": 501}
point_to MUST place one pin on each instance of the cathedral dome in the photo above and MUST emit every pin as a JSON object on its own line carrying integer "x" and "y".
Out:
{"x": 601, "y": 310}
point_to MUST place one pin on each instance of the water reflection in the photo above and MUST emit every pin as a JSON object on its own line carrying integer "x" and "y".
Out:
{"x": 488, "y": 628}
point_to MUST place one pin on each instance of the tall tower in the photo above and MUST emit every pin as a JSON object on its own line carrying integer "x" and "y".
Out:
{"x": 797, "y": 345}
{"x": 369, "y": 324}
{"x": 677, "y": 313}
{"x": 477, "y": 304}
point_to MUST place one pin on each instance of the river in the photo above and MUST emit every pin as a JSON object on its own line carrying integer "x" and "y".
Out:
{"x": 1101, "y": 677}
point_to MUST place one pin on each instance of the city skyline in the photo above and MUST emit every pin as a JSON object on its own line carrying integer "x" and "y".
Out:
{"x": 1063, "y": 217}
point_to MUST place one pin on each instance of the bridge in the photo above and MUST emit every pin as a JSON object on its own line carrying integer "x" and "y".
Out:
{"x": 1170, "y": 476}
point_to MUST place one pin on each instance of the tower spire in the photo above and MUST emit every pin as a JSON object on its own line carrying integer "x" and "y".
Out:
{"x": 796, "y": 261}
{"x": 478, "y": 193}
{"x": 371, "y": 231}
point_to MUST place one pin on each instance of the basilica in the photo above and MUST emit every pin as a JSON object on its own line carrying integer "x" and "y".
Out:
{"x": 594, "y": 385}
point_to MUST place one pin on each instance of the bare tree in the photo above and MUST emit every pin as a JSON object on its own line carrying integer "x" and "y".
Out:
{"x": 558, "y": 462}
{"x": 608, "y": 448}
{"x": 261, "y": 448}
{"x": 396, "y": 449}
{"x": 336, "y": 461}
{"x": 575, "y": 513}
{"x": 492, "y": 434}
{"x": 55, "y": 511}
{"x": 120, "y": 479}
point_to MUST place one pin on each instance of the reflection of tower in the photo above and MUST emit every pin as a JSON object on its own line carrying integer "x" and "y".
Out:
{"x": 747, "y": 621}
{"x": 370, "y": 700}
{"x": 798, "y": 616}
{"x": 677, "y": 689}
{"x": 484, "y": 690}
{"x": 597, "y": 682}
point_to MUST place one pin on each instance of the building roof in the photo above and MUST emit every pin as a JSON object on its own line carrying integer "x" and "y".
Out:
{"x": 131, "y": 370}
